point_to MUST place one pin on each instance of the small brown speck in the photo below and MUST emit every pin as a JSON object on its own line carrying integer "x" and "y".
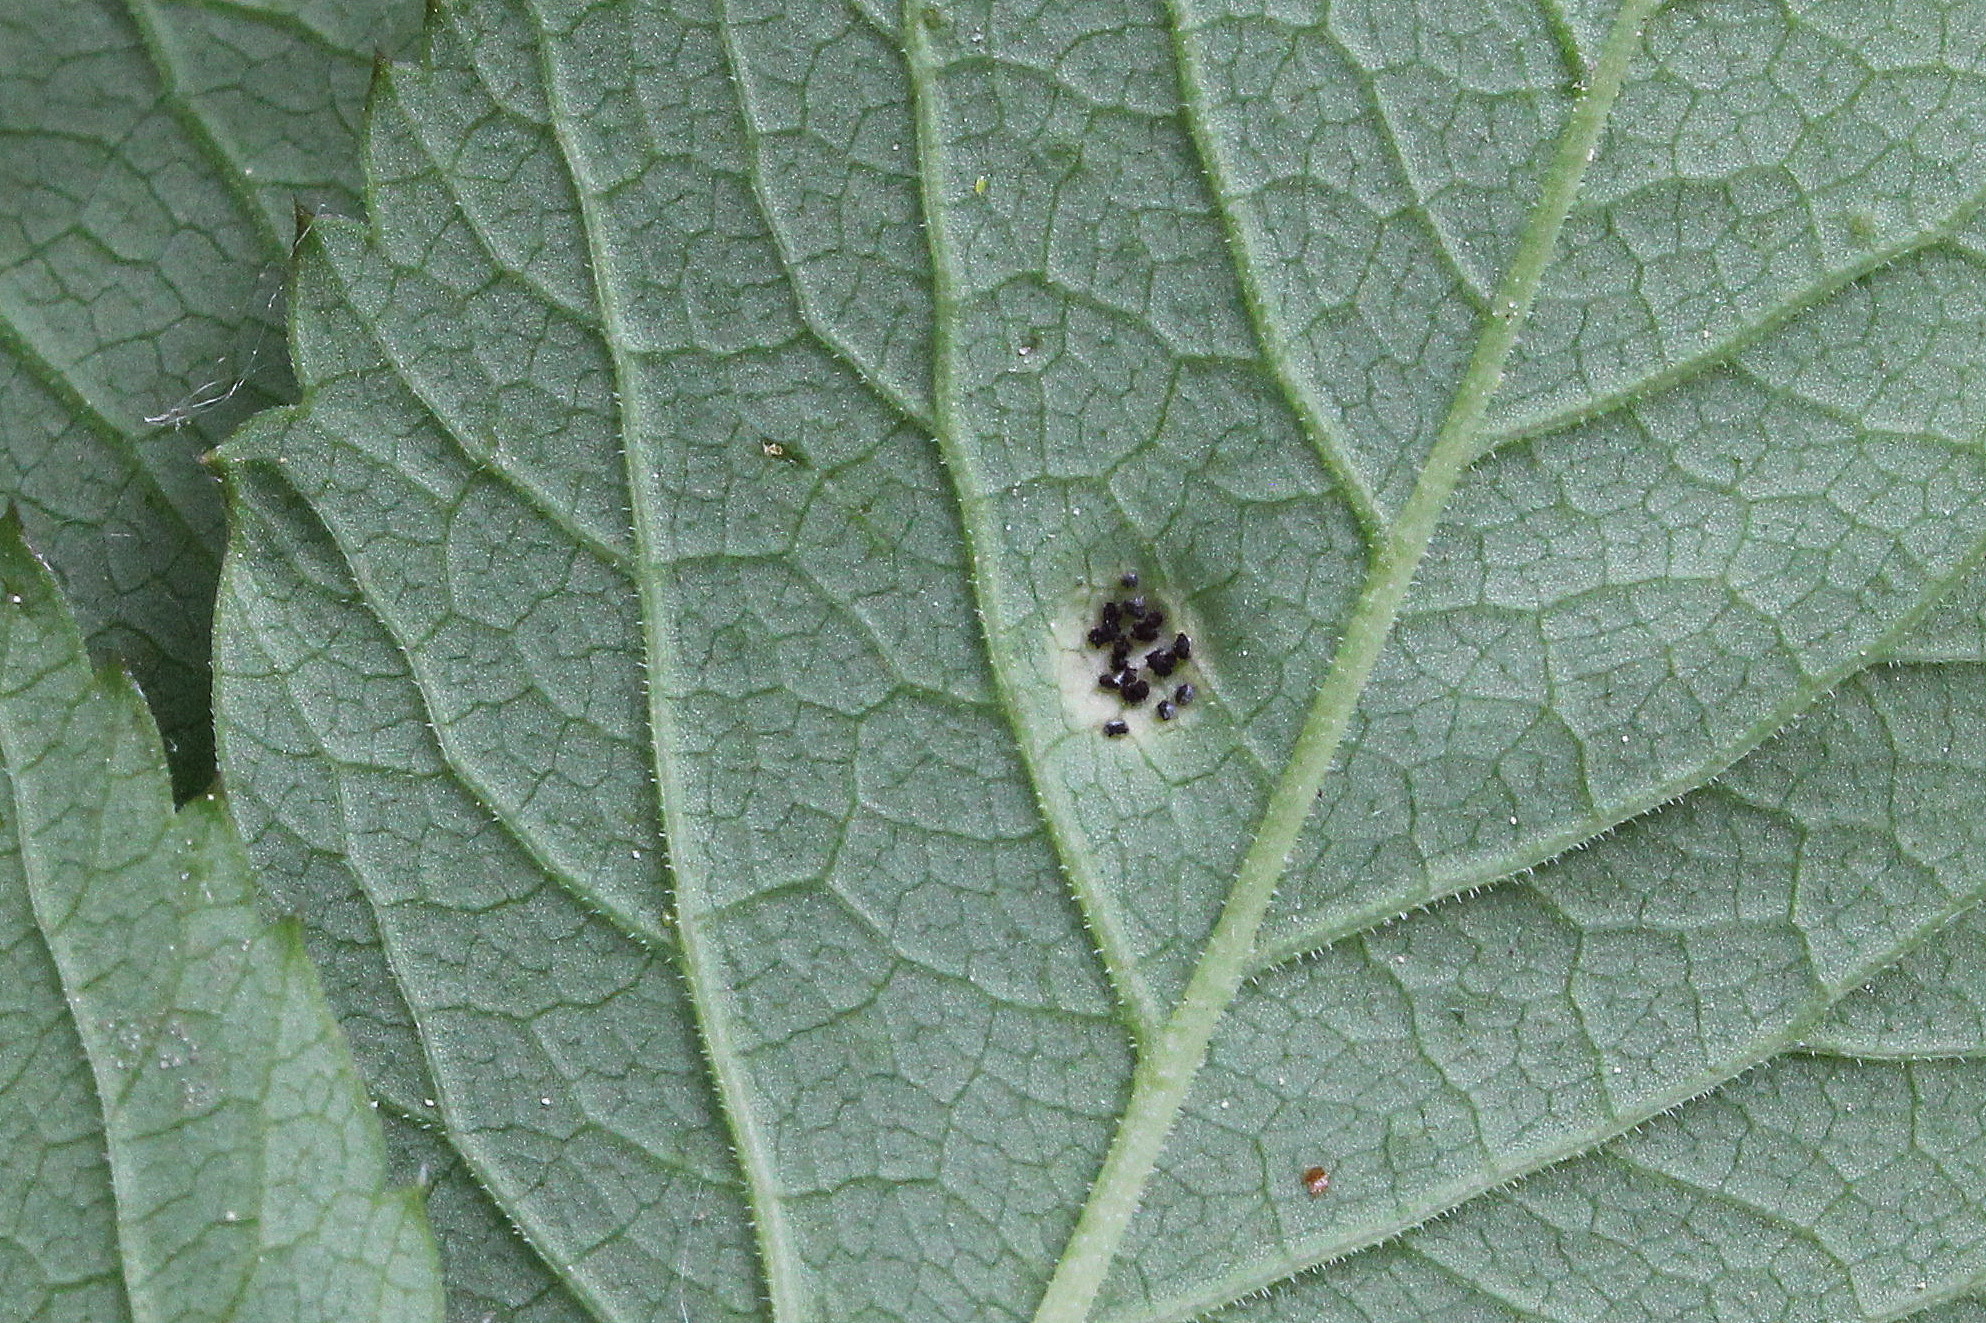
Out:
{"x": 1316, "y": 1182}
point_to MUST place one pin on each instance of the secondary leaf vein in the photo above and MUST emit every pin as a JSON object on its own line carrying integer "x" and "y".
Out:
{"x": 1740, "y": 337}
{"x": 1326, "y": 435}
{"x": 699, "y": 957}
{"x": 1103, "y": 918}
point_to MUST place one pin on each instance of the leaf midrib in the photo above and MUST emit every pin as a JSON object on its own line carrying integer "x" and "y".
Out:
{"x": 1167, "y": 1066}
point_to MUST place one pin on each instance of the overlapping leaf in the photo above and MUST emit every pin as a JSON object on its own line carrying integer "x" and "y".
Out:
{"x": 657, "y": 640}
{"x": 185, "y": 1136}
{"x": 152, "y": 155}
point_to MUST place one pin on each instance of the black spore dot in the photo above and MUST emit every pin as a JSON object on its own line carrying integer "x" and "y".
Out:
{"x": 1135, "y": 605}
{"x": 1111, "y": 611}
{"x": 1161, "y": 662}
{"x": 1136, "y": 692}
{"x": 1164, "y": 710}
{"x": 1116, "y": 727}
{"x": 1120, "y": 652}
{"x": 1185, "y": 694}
{"x": 1108, "y": 680}
{"x": 1155, "y": 618}
{"x": 1182, "y": 647}
{"x": 1146, "y": 632}
{"x": 1130, "y": 579}
{"x": 1103, "y": 634}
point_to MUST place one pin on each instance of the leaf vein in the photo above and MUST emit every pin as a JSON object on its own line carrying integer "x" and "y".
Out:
{"x": 1103, "y": 917}
{"x": 1568, "y": 1146}
{"x": 646, "y": 937}
{"x": 700, "y": 960}
{"x": 1298, "y": 942}
{"x": 485, "y": 459}
{"x": 803, "y": 302}
{"x": 233, "y": 178}
{"x": 1326, "y": 435}
{"x": 1164, "y": 1077}
{"x": 1743, "y": 336}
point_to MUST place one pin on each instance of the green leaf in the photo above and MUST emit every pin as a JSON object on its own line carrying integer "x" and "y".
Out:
{"x": 652, "y": 654}
{"x": 185, "y": 1134}
{"x": 154, "y": 156}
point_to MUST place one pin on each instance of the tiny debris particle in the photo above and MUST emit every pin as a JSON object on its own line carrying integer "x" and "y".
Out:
{"x": 773, "y": 449}
{"x": 1164, "y": 710}
{"x": 1185, "y": 694}
{"x": 979, "y": 186}
{"x": 1116, "y": 727}
{"x": 1316, "y": 1182}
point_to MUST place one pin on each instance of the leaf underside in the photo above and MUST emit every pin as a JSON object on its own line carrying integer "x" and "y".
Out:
{"x": 651, "y": 656}
{"x": 183, "y": 1133}
{"x": 153, "y": 155}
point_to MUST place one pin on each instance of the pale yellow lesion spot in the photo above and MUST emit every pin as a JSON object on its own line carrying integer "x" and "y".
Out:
{"x": 1077, "y": 666}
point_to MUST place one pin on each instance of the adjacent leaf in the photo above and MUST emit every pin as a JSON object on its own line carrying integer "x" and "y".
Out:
{"x": 185, "y": 1136}
{"x": 653, "y": 652}
{"x": 491, "y": 1275}
{"x": 154, "y": 153}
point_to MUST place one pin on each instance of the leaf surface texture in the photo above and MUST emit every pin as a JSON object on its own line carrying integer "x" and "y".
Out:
{"x": 658, "y": 637}
{"x": 183, "y": 1133}
{"x": 154, "y": 154}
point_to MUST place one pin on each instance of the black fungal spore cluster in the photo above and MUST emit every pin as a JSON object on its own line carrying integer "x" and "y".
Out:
{"x": 1143, "y": 656}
